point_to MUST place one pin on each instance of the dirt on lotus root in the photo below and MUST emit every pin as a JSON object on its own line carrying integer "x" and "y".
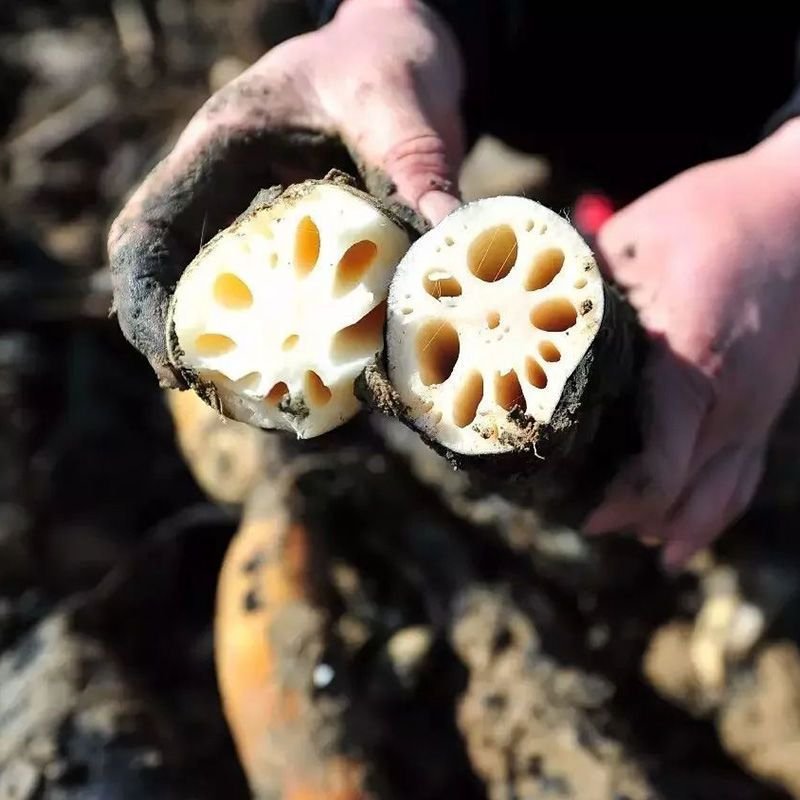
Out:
{"x": 527, "y": 720}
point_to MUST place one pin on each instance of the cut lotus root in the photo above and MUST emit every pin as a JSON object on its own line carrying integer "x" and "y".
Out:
{"x": 491, "y": 317}
{"x": 281, "y": 311}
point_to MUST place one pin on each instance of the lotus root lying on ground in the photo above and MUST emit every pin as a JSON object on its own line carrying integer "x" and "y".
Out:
{"x": 281, "y": 311}
{"x": 269, "y": 634}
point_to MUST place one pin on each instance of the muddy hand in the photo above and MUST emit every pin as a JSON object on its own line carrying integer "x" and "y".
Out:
{"x": 384, "y": 76}
{"x": 712, "y": 264}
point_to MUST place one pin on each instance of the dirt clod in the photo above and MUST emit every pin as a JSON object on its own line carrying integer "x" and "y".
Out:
{"x": 760, "y": 724}
{"x": 528, "y": 722}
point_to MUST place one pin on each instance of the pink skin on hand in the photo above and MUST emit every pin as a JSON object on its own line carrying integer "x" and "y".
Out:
{"x": 385, "y": 77}
{"x": 395, "y": 96}
{"x": 394, "y": 99}
{"x": 711, "y": 261}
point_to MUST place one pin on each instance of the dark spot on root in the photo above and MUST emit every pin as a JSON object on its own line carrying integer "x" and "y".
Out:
{"x": 224, "y": 463}
{"x": 586, "y": 306}
{"x": 252, "y": 602}
{"x": 503, "y": 639}
{"x": 254, "y": 563}
{"x": 296, "y": 408}
{"x": 496, "y": 701}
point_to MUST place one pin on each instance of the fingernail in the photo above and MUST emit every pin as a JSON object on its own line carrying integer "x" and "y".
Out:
{"x": 651, "y": 534}
{"x": 650, "y": 541}
{"x": 609, "y": 517}
{"x": 436, "y": 205}
{"x": 675, "y": 556}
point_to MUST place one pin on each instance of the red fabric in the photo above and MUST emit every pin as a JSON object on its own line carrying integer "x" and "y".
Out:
{"x": 591, "y": 211}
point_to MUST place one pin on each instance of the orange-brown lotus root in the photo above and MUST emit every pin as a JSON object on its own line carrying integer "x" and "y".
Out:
{"x": 263, "y": 612}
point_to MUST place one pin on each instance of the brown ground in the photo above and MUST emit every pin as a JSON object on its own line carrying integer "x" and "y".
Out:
{"x": 468, "y": 651}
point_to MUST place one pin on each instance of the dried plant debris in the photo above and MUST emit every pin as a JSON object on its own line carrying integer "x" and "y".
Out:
{"x": 281, "y": 311}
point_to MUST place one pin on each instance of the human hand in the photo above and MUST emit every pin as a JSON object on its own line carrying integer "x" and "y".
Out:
{"x": 711, "y": 262}
{"x": 384, "y": 77}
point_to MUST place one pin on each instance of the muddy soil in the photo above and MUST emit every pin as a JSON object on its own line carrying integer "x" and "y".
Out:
{"x": 454, "y": 645}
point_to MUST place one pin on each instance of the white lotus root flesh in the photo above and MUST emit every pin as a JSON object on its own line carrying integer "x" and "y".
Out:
{"x": 491, "y": 311}
{"x": 285, "y": 308}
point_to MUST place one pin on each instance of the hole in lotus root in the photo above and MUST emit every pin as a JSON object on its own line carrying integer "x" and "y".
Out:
{"x": 354, "y": 264}
{"x": 441, "y": 284}
{"x": 306, "y": 246}
{"x": 232, "y": 292}
{"x": 277, "y": 393}
{"x": 549, "y": 352}
{"x": 544, "y": 269}
{"x": 211, "y": 345}
{"x": 554, "y": 315}
{"x": 493, "y": 253}
{"x": 437, "y": 351}
{"x": 508, "y": 392}
{"x": 290, "y": 342}
{"x": 317, "y": 393}
{"x": 536, "y": 375}
{"x": 468, "y": 399}
{"x": 362, "y": 338}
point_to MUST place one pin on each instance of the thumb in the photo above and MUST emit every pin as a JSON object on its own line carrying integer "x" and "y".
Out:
{"x": 391, "y": 133}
